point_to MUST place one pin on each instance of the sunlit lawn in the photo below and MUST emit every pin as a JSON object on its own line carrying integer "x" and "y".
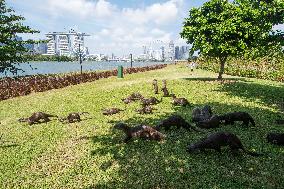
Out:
{"x": 90, "y": 154}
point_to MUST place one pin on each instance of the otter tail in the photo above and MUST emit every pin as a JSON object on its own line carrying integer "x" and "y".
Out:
{"x": 22, "y": 120}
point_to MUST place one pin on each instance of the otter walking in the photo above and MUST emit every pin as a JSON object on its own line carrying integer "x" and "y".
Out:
{"x": 175, "y": 120}
{"x": 150, "y": 101}
{"x": 213, "y": 122}
{"x": 37, "y": 117}
{"x": 230, "y": 118}
{"x": 140, "y": 131}
{"x": 217, "y": 140}
{"x": 146, "y": 110}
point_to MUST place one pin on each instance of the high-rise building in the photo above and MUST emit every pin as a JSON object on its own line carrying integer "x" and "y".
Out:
{"x": 177, "y": 53}
{"x": 171, "y": 52}
{"x": 40, "y": 48}
{"x": 67, "y": 44}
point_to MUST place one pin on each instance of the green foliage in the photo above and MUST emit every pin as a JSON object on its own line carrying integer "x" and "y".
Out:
{"x": 90, "y": 154}
{"x": 11, "y": 50}
{"x": 271, "y": 68}
{"x": 220, "y": 28}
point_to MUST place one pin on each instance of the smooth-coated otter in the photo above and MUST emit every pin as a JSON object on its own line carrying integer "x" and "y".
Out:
{"x": 179, "y": 101}
{"x": 150, "y": 101}
{"x": 230, "y": 118}
{"x": 155, "y": 86}
{"x": 201, "y": 114}
{"x": 146, "y": 110}
{"x": 111, "y": 111}
{"x": 165, "y": 89}
{"x": 131, "y": 98}
{"x": 175, "y": 120}
{"x": 213, "y": 122}
{"x": 37, "y": 117}
{"x": 139, "y": 131}
{"x": 73, "y": 117}
{"x": 275, "y": 138}
{"x": 217, "y": 140}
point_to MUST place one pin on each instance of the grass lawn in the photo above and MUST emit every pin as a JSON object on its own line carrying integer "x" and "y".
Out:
{"x": 90, "y": 154}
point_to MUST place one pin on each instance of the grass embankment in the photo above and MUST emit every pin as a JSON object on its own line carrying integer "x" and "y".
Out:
{"x": 90, "y": 154}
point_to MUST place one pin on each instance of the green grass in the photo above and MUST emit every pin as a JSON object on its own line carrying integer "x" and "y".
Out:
{"x": 90, "y": 154}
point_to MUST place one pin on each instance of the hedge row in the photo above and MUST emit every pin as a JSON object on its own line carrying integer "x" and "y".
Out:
{"x": 262, "y": 69}
{"x": 13, "y": 87}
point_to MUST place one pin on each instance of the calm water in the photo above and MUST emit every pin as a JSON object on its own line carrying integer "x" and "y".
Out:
{"x": 34, "y": 68}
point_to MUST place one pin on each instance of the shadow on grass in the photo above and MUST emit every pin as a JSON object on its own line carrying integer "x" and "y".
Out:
{"x": 152, "y": 164}
{"x": 267, "y": 94}
{"x": 211, "y": 79}
{"x": 8, "y": 145}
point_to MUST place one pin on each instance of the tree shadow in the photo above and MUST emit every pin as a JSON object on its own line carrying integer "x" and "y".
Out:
{"x": 267, "y": 94}
{"x": 166, "y": 164}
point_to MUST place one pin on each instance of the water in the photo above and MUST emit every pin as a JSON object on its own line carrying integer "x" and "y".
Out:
{"x": 35, "y": 68}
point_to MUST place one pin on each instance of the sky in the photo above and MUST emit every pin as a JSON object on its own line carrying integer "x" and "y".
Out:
{"x": 115, "y": 26}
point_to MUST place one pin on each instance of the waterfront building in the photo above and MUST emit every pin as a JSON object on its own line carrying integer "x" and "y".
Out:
{"x": 171, "y": 52}
{"x": 66, "y": 43}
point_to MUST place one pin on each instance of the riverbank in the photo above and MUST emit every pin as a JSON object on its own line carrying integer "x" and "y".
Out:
{"x": 45, "y": 68}
{"x": 90, "y": 154}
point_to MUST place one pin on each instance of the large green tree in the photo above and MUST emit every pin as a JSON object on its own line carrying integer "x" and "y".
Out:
{"x": 11, "y": 49}
{"x": 221, "y": 28}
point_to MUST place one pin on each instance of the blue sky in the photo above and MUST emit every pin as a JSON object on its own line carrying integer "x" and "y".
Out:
{"x": 116, "y": 26}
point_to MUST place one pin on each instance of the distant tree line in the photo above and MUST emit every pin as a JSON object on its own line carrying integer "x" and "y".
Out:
{"x": 58, "y": 58}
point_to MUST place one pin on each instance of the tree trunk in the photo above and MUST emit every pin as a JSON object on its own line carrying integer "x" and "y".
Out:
{"x": 222, "y": 66}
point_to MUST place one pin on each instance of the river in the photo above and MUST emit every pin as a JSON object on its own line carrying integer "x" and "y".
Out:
{"x": 35, "y": 68}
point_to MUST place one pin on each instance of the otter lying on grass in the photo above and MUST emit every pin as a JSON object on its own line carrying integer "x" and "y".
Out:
{"x": 230, "y": 118}
{"x": 146, "y": 110}
{"x": 111, "y": 111}
{"x": 179, "y": 101}
{"x": 275, "y": 138}
{"x": 150, "y": 101}
{"x": 37, "y": 117}
{"x": 73, "y": 117}
{"x": 175, "y": 120}
{"x": 140, "y": 131}
{"x": 131, "y": 98}
{"x": 217, "y": 140}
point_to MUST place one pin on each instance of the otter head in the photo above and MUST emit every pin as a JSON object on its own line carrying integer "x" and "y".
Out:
{"x": 120, "y": 126}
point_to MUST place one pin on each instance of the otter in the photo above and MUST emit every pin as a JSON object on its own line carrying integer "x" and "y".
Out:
{"x": 139, "y": 131}
{"x": 213, "y": 122}
{"x": 165, "y": 89}
{"x": 131, "y": 98}
{"x": 179, "y": 101}
{"x": 230, "y": 118}
{"x": 73, "y": 117}
{"x": 202, "y": 114}
{"x": 175, "y": 120}
{"x": 155, "y": 86}
{"x": 275, "y": 138}
{"x": 111, "y": 111}
{"x": 146, "y": 110}
{"x": 150, "y": 101}
{"x": 37, "y": 117}
{"x": 217, "y": 140}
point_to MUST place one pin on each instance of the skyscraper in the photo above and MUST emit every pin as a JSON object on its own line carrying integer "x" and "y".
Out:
{"x": 171, "y": 52}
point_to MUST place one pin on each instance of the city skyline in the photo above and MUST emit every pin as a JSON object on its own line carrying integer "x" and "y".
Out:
{"x": 115, "y": 27}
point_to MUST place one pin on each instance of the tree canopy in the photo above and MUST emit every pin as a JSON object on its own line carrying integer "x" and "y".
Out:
{"x": 221, "y": 28}
{"x": 11, "y": 49}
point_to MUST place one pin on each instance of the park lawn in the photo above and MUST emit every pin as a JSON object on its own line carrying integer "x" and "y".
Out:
{"x": 90, "y": 154}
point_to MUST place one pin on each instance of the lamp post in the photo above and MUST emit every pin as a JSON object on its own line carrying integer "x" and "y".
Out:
{"x": 131, "y": 61}
{"x": 80, "y": 58}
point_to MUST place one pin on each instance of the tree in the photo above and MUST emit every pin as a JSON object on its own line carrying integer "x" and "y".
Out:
{"x": 220, "y": 29}
{"x": 12, "y": 49}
